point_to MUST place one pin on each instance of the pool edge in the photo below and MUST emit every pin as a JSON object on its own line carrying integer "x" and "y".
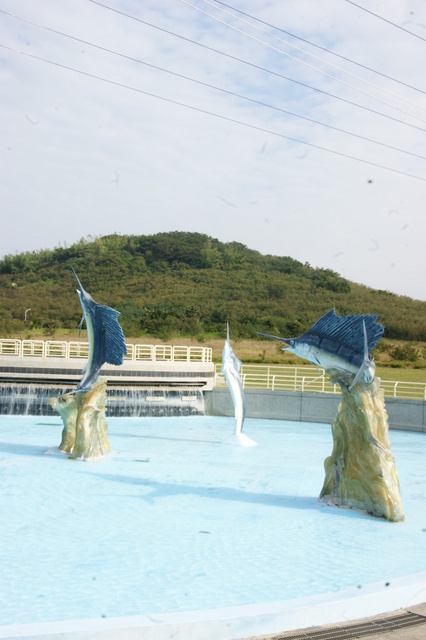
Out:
{"x": 237, "y": 623}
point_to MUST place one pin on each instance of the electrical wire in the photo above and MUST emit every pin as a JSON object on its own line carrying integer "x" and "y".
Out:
{"x": 309, "y": 66}
{"x": 317, "y": 46}
{"x": 210, "y": 86}
{"x": 258, "y": 67}
{"x": 210, "y": 113}
{"x": 385, "y": 20}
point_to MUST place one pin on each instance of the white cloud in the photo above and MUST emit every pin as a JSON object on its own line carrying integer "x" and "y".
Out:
{"x": 84, "y": 156}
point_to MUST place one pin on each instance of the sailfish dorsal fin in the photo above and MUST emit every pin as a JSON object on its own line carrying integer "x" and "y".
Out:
{"x": 348, "y": 330}
{"x": 113, "y": 346}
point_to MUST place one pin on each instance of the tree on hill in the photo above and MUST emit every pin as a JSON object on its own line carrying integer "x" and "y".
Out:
{"x": 189, "y": 284}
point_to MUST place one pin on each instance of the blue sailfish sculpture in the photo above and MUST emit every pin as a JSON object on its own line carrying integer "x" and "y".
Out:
{"x": 341, "y": 345}
{"x": 231, "y": 370}
{"x": 106, "y": 339}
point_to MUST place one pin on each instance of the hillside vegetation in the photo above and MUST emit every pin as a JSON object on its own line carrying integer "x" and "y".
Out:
{"x": 189, "y": 285}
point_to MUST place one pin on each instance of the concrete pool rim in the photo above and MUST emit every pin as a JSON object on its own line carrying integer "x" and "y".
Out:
{"x": 236, "y": 623}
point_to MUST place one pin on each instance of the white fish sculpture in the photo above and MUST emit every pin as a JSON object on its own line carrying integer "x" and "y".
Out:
{"x": 231, "y": 370}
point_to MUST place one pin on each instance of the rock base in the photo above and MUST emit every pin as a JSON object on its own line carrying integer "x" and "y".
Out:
{"x": 360, "y": 473}
{"x": 84, "y": 436}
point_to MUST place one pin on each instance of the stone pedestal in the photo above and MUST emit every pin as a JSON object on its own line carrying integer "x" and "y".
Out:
{"x": 360, "y": 473}
{"x": 84, "y": 436}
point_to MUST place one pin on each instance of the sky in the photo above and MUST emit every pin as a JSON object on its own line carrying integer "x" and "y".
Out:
{"x": 294, "y": 127}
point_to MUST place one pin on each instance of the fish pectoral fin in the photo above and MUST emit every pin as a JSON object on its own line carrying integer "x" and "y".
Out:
{"x": 81, "y": 324}
{"x": 237, "y": 363}
{"x": 319, "y": 370}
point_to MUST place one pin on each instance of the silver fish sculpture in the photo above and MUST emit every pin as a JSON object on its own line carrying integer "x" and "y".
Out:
{"x": 106, "y": 339}
{"x": 231, "y": 370}
{"x": 341, "y": 345}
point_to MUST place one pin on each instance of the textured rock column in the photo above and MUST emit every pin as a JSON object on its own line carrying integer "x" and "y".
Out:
{"x": 360, "y": 473}
{"x": 85, "y": 428}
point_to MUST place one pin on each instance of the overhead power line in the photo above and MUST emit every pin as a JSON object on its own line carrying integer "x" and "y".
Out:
{"x": 416, "y": 35}
{"x": 258, "y": 67}
{"x": 317, "y": 46}
{"x": 211, "y": 86}
{"x": 309, "y": 66}
{"x": 211, "y": 113}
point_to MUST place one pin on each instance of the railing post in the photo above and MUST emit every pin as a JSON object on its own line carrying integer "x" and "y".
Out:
{"x": 394, "y": 389}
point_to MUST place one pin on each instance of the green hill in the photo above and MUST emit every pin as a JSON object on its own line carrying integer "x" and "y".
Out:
{"x": 188, "y": 284}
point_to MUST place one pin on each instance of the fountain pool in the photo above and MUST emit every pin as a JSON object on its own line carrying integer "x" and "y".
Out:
{"x": 176, "y": 526}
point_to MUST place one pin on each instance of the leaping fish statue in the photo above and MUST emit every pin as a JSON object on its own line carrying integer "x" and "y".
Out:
{"x": 231, "y": 370}
{"x": 106, "y": 339}
{"x": 339, "y": 344}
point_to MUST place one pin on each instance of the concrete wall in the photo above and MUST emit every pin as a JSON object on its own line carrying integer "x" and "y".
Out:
{"x": 21, "y": 369}
{"x": 403, "y": 414}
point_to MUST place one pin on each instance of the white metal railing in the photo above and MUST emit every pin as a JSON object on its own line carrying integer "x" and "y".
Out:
{"x": 11, "y": 347}
{"x": 272, "y": 377}
{"x": 33, "y": 348}
{"x": 399, "y": 389}
{"x": 78, "y": 350}
{"x": 291, "y": 378}
{"x": 62, "y": 349}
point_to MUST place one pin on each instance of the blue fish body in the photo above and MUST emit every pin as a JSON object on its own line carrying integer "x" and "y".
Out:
{"x": 340, "y": 345}
{"x": 106, "y": 339}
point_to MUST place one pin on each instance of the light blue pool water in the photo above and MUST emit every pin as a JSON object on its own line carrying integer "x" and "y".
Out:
{"x": 177, "y": 520}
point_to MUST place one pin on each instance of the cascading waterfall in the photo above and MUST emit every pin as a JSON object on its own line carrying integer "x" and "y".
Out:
{"x": 32, "y": 399}
{"x": 135, "y": 402}
{"x": 28, "y": 399}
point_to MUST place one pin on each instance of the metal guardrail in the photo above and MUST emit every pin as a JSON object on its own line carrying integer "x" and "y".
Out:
{"x": 270, "y": 377}
{"x": 67, "y": 350}
{"x": 307, "y": 378}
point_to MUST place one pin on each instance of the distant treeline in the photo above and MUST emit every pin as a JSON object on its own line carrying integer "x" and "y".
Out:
{"x": 188, "y": 284}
